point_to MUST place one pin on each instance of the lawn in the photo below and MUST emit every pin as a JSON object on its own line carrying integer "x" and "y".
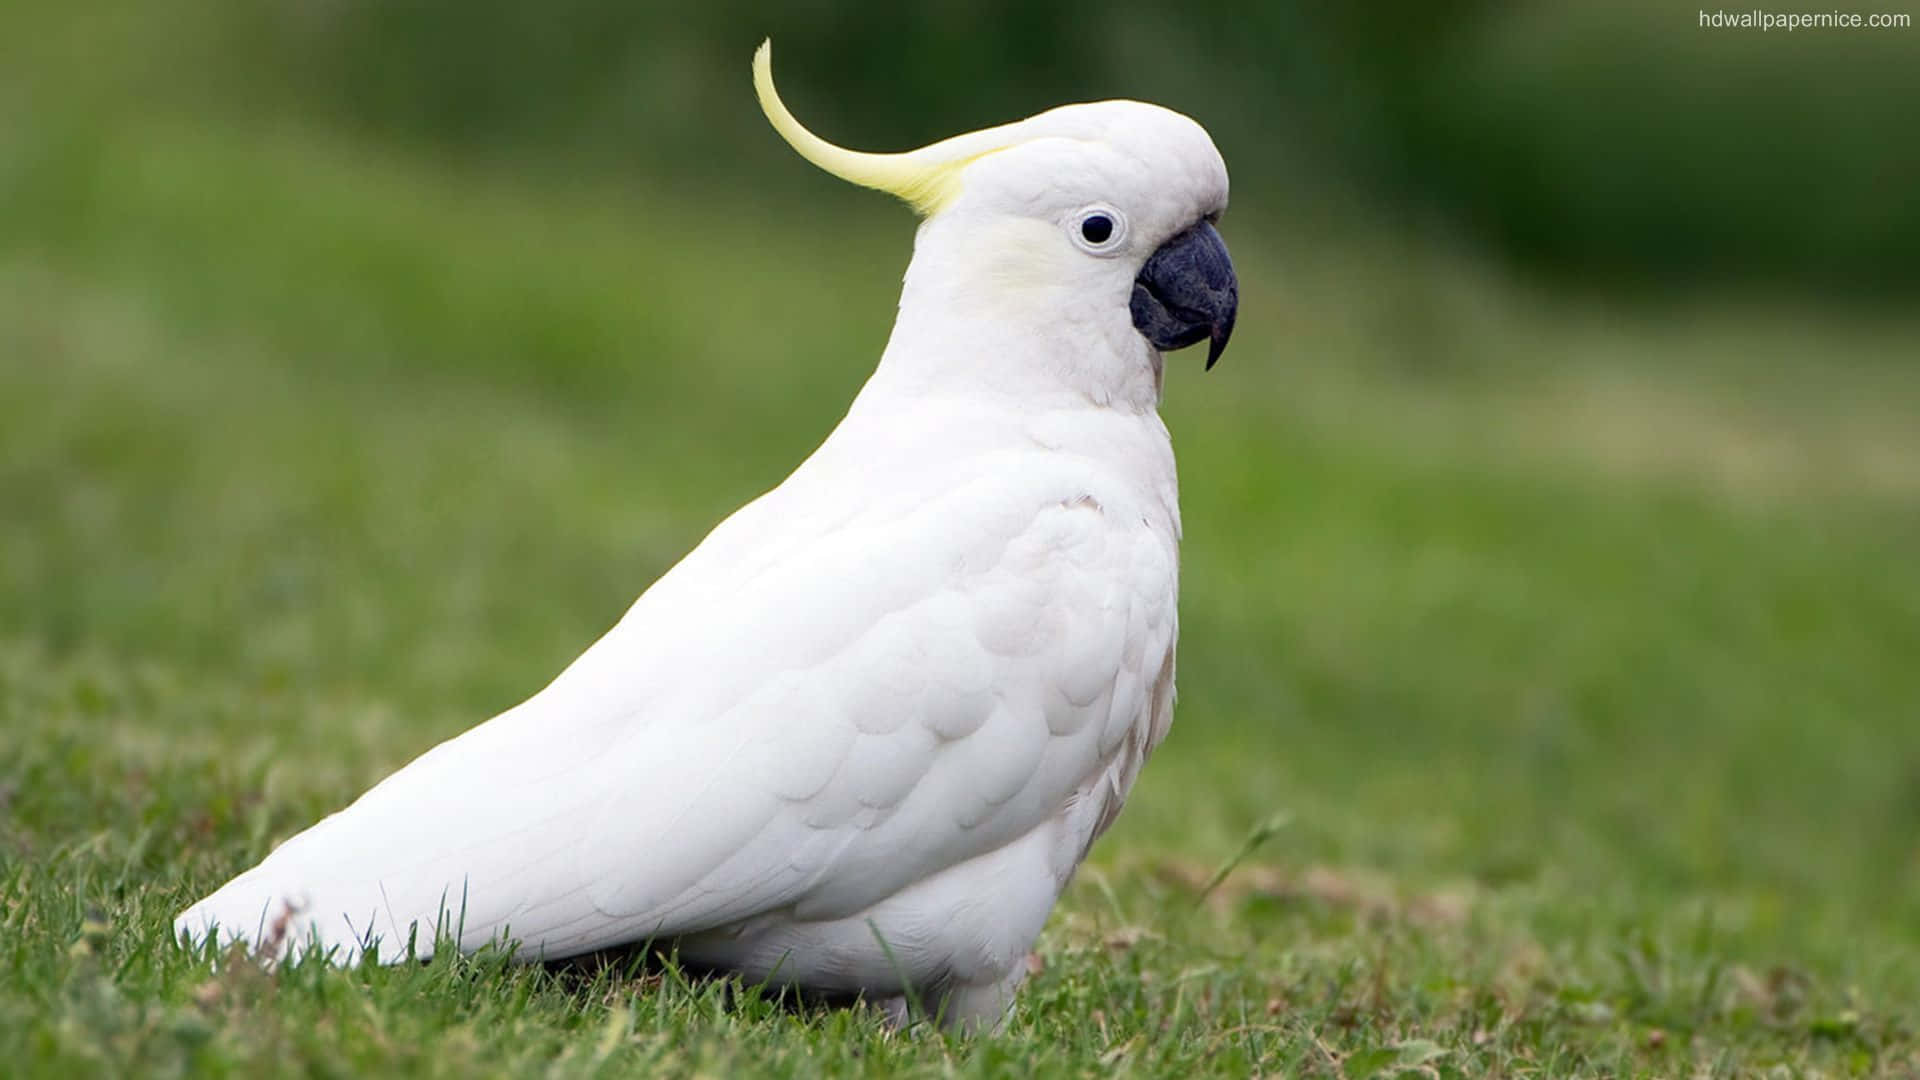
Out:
{"x": 1550, "y": 675}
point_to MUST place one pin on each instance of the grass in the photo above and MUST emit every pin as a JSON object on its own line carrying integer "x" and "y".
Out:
{"x": 1561, "y": 651}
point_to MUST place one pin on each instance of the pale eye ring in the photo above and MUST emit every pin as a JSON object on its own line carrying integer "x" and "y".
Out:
{"x": 1098, "y": 229}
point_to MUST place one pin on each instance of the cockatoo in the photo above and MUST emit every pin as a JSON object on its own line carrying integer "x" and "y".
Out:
{"x": 857, "y": 741}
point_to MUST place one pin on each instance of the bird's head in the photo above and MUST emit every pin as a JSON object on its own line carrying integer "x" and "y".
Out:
{"x": 1091, "y": 221}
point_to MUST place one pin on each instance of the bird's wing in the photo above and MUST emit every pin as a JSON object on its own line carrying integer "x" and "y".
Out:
{"x": 807, "y": 725}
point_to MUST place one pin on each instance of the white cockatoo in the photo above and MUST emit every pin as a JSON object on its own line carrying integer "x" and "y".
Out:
{"x": 858, "y": 740}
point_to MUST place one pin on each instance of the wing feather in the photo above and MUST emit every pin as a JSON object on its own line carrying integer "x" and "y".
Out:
{"x": 901, "y": 689}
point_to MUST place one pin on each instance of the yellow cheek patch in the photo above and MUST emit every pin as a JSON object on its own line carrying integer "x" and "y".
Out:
{"x": 927, "y": 178}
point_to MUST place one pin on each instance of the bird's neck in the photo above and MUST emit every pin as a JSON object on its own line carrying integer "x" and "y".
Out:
{"x": 985, "y": 319}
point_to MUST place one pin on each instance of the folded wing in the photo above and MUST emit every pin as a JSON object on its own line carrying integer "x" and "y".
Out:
{"x": 808, "y": 714}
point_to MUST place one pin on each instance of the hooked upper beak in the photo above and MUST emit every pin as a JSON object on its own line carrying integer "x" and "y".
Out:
{"x": 1186, "y": 292}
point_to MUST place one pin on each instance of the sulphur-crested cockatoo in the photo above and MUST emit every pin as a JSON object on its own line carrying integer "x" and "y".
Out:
{"x": 858, "y": 740}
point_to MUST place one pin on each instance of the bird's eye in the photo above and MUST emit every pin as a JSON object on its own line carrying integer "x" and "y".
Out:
{"x": 1098, "y": 230}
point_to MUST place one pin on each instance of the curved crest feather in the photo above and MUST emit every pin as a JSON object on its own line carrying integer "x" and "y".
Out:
{"x": 927, "y": 178}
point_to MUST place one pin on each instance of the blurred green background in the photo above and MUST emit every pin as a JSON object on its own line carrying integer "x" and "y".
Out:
{"x": 1617, "y": 139}
{"x": 1553, "y": 523}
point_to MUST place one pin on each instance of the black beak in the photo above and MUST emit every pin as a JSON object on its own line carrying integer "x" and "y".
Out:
{"x": 1186, "y": 292}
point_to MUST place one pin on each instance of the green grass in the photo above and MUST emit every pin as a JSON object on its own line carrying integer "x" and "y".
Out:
{"x": 1573, "y": 645}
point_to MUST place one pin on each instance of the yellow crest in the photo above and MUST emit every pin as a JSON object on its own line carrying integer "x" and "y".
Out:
{"x": 927, "y": 178}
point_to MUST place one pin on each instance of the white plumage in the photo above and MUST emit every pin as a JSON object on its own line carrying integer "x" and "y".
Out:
{"x": 859, "y": 738}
